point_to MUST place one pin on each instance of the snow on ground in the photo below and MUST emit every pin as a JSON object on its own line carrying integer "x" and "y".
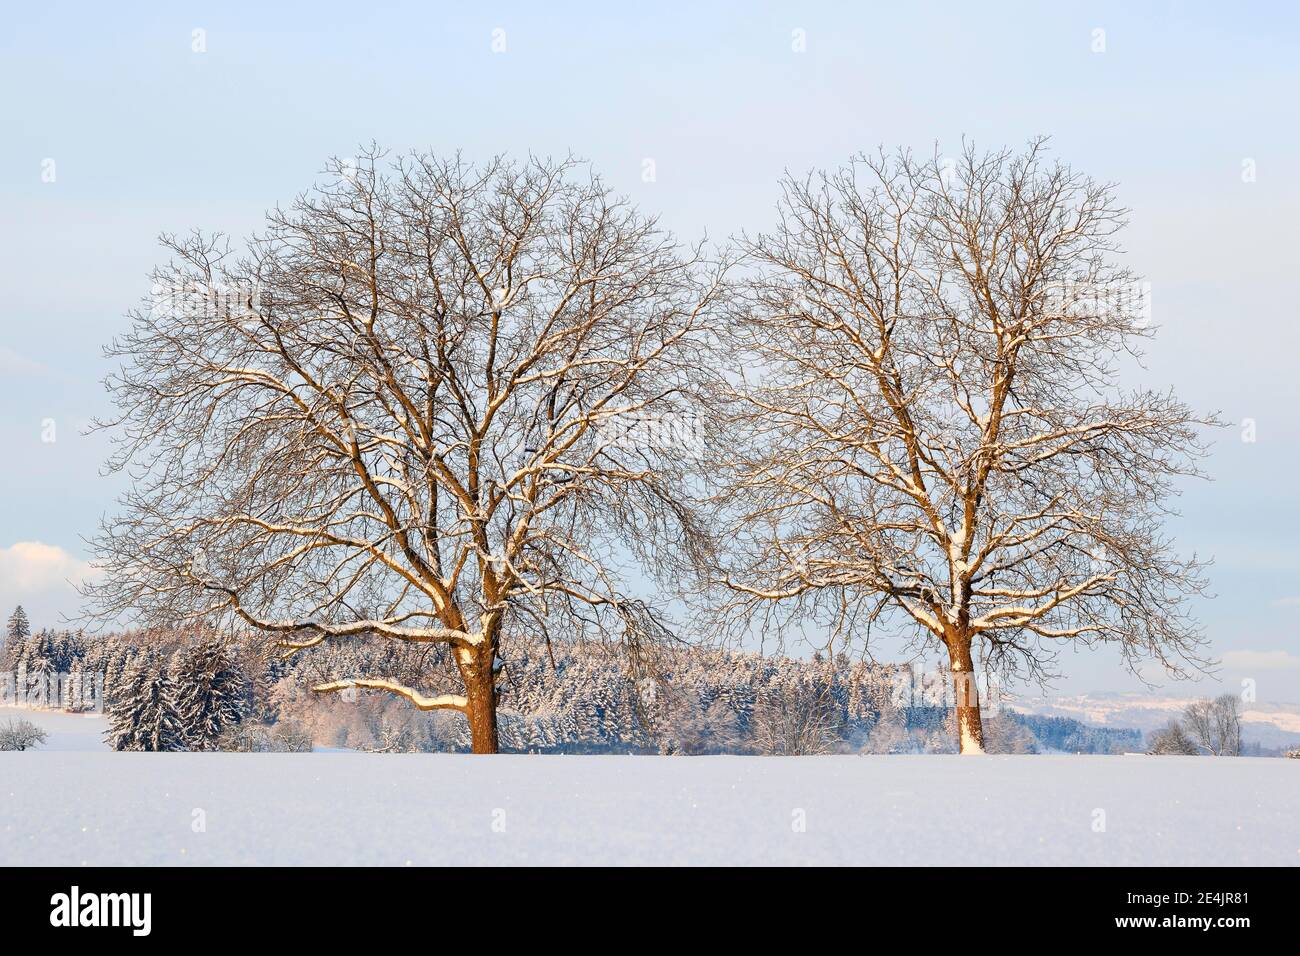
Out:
{"x": 72, "y": 801}
{"x": 66, "y": 731}
{"x": 63, "y": 808}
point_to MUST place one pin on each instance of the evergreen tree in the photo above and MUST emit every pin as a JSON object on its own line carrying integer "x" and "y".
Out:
{"x": 37, "y": 666}
{"x": 211, "y": 692}
{"x": 66, "y": 649}
{"x": 18, "y": 628}
{"x": 119, "y": 665}
{"x": 143, "y": 715}
{"x": 14, "y": 638}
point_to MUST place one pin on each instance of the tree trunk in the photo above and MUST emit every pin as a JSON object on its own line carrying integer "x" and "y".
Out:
{"x": 970, "y": 726}
{"x": 481, "y": 693}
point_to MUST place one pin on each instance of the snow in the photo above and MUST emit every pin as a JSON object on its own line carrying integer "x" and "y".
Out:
{"x": 66, "y": 731}
{"x": 66, "y": 808}
{"x": 1274, "y": 724}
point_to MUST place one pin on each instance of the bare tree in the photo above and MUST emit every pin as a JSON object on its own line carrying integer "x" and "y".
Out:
{"x": 434, "y": 402}
{"x": 928, "y": 429}
{"x": 20, "y": 734}
{"x": 1172, "y": 740}
{"x": 683, "y": 726}
{"x": 1003, "y": 734}
{"x": 1214, "y": 726}
{"x": 795, "y": 720}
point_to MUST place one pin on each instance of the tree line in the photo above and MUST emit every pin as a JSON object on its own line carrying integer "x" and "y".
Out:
{"x": 167, "y": 692}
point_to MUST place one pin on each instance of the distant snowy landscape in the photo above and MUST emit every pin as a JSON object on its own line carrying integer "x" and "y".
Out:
{"x": 65, "y": 804}
{"x": 1268, "y": 724}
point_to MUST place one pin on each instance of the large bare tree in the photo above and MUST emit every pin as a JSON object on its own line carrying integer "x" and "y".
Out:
{"x": 929, "y": 428}
{"x": 433, "y": 402}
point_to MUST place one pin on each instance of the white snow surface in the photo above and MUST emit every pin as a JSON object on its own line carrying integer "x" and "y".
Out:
{"x": 59, "y": 807}
{"x": 65, "y": 731}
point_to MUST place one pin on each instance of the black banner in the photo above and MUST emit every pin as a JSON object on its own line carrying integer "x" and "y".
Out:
{"x": 178, "y": 906}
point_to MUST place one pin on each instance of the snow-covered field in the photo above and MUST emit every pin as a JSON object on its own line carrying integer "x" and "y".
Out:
{"x": 66, "y": 731}
{"x": 60, "y": 806}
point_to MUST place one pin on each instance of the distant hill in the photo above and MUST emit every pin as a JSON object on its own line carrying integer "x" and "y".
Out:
{"x": 1271, "y": 725}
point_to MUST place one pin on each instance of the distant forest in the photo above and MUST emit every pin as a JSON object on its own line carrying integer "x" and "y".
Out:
{"x": 173, "y": 692}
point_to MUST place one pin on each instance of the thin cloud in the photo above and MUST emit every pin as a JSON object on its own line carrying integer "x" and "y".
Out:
{"x": 1261, "y": 661}
{"x": 16, "y": 364}
{"x": 42, "y": 578}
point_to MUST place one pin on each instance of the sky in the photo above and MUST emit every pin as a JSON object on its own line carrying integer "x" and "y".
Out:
{"x": 121, "y": 121}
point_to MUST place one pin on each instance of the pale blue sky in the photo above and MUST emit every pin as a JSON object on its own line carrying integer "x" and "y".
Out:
{"x": 147, "y": 135}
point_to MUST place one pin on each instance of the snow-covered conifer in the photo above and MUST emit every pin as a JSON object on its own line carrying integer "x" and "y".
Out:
{"x": 18, "y": 628}
{"x": 143, "y": 715}
{"x": 211, "y": 692}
